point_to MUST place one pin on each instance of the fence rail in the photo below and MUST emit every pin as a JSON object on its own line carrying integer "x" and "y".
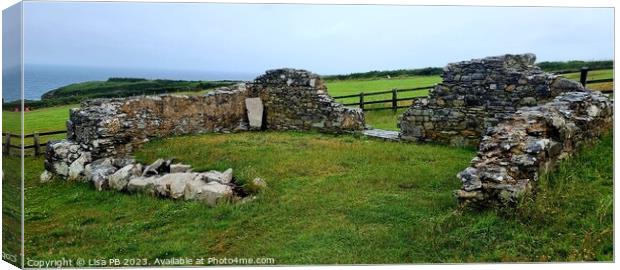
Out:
{"x": 392, "y": 101}
{"x": 583, "y": 79}
{"x": 36, "y": 137}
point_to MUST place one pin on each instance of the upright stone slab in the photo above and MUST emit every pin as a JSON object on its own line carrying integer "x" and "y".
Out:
{"x": 255, "y": 112}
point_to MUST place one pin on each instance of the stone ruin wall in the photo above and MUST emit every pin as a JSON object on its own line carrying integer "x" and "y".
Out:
{"x": 115, "y": 127}
{"x": 102, "y": 133}
{"x": 522, "y": 119}
{"x": 478, "y": 94}
{"x": 513, "y": 154}
{"x": 529, "y": 119}
{"x": 315, "y": 109}
{"x": 292, "y": 100}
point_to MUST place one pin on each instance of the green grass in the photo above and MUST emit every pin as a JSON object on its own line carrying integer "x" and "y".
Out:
{"x": 349, "y": 87}
{"x": 592, "y": 75}
{"x": 383, "y": 119}
{"x": 331, "y": 199}
{"x": 11, "y": 208}
{"x": 46, "y": 119}
{"x": 595, "y": 75}
{"x": 40, "y": 120}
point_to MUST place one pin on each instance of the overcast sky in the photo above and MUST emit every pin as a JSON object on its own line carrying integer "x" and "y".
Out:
{"x": 321, "y": 38}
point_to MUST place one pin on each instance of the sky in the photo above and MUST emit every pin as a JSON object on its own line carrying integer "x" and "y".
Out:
{"x": 326, "y": 39}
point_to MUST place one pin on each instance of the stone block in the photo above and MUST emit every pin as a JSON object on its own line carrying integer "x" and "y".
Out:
{"x": 255, "y": 111}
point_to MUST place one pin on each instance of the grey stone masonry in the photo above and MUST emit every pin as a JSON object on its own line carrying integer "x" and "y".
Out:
{"x": 478, "y": 94}
{"x": 115, "y": 127}
{"x": 513, "y": 154}
{"x": 102, "y": 133}
{"x": 296, "y": 99}
{"x": 292, "y": 100}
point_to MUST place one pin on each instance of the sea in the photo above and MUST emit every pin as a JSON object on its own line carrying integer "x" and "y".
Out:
{"x": 39, "y": 79}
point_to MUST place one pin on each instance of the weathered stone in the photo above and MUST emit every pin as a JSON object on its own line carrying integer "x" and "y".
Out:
{"x": 59, "y": 155}
{"x": 76, "y": 169}
{"x": 472, "y": 105}
{"x": 470, "y": 179}
{"x": 173, "y": 184}
{"x": 212, "y": 192}
{"x": 255, "y": 112}
{"x": 46, "y": 176}
{"x": 155, "y": 168}
{"x": 142, "y": 185}
{"x": 227, "y": 176}
{"x": 211, "y": 176}
{"x": 530, "y": 141}
{"x": 123, "y": 161}
{"x": 109, "y": 129}
{"x": 100, "y": 174}
{"x": 193, "y": 188}
{"x": 120, "y": 178}
{"x": 296, "y": 99}
{"x": 180, "y": 168}
{"x": 537, "y": 146}
{"x": 88, "y": 169}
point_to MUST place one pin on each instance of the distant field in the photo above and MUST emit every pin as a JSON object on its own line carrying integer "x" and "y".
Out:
{"x": 595, "y": 75}
{"x": 349, "y": 87}
{"x": 47, "y": 119}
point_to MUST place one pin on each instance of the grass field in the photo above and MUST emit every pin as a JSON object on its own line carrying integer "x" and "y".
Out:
{"x": 349, "y": 87}
{"x": 330, "y": 200}
{"x": 596, "y": 75}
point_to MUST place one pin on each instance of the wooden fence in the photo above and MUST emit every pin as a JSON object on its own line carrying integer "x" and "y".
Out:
{"x": 393, "y": 102}
{"x": 36, "y": 138}
{"x": 583, "y": 78}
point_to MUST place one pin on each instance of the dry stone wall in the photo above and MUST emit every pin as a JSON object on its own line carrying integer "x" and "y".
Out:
{"x": 478, "y": 94}
{"x": 298, "y": 100}
{"x": 291, "y": 100}
{"x": 514, "y": 153}
{"x": 115, "y": 127}
{"x": 103, "y": 132}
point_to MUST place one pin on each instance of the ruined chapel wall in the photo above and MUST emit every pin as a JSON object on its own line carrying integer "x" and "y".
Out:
{"x": 478, "y": 94}
{"x": 113, "y": 127}
{"x": 298, "y": 100}
{"x": 293, "y": 100}
{"x": 513, "y": 154}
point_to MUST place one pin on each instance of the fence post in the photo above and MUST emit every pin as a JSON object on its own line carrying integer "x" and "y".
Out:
{"x": 7, "y": 144}
{"x": 362, "y": 100}
{"x": 394, "y": 99}
{"x": 37, "y": 146}
{"x": 584, "y": 76}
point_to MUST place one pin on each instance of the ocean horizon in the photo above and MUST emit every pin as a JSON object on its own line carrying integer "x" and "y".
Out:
{"x": 39, "y": 79}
